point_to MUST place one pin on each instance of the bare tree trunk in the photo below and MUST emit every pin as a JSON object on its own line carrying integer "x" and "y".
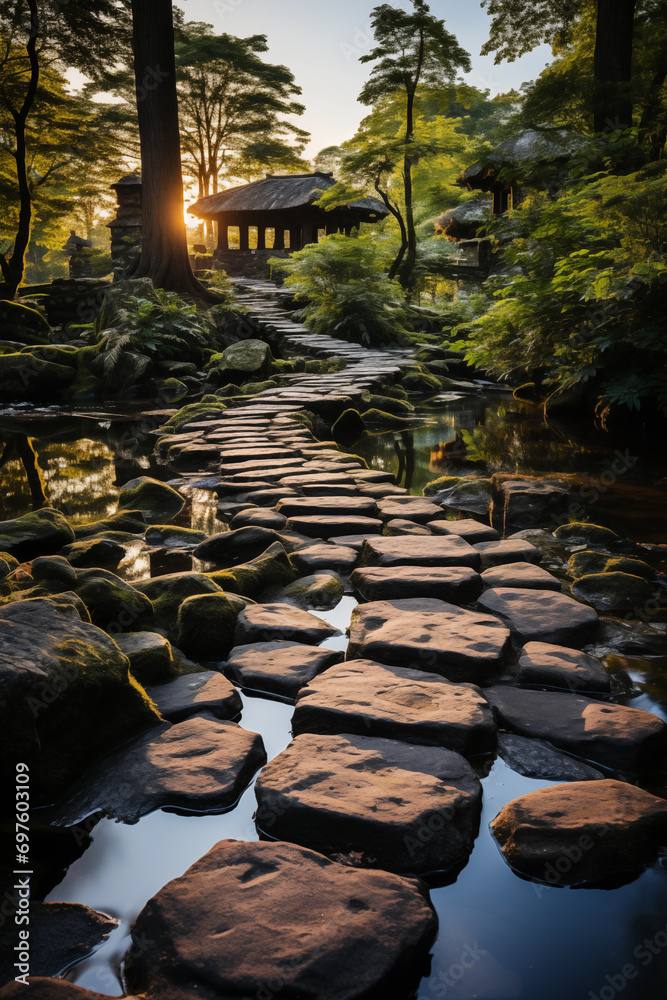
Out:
{"x": 613, "y": 64}
{"x": 164, "y": 251}
{"x": 12, "y": 269}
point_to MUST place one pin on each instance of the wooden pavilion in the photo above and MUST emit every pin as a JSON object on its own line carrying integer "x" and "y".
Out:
{"x": 276, "y": 216}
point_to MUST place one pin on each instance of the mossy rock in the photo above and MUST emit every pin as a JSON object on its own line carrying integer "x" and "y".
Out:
{"x": 41, "y": 532}
{"x": 582, "y": 533}
{"x": 326, "y": 366}
{"x": 208, "y": 408}
{"x": 620, "y": 593}
{"x": 443, "y": 483}
{"x": 171, "y": 536}
{"x": 131, "y": 522}
{"x": 89, "y": 552}
{"x": 348, "y": 428}
{"x": 155, "y": 500}
{"x": 22, "y": 324}
{"x": 283, "y": 367}
{"x": 114, "y": 605}
{"x": 239, "y": 361}
{"x": 586, "y": 563}
{"x": 54, "y": 572}
{"x": 635, "y": 567}
{"x": 378, "y": 420}
{"x": 167, "y": 593}
{"x": 86, "y": 382}
{"x": 151, "y": 657}
{"x": 386, "y": 404}
{"x": 421, "y": 382}
{"x": 129, "y": 369}
{"x": 470, "y": 494}
{"x": 118, "y": 306}
{"x": 26, "y": 378}
{"x": 205, "y": 625}
{"x": 8, "y": 564}
{"x": 320, "y": 591}
{"x": 57, "y": 354}
{"x": 271, "y": 569}
{"x": 228, "y": 391}
{"x": 172, "y": 390}
{"x": 254, "y": 388}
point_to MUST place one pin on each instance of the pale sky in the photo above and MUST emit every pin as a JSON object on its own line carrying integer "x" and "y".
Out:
{"x": 321, "y": 42}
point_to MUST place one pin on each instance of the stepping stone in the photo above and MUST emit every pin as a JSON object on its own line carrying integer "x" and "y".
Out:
{"x": 327, "y": 490}
{"x": 193, "y": 694}
{"x": 302, "y": 480}
{"x": 330, "y": 506}
{"x": 200, "y": 764}
{"x": 280, "y": 668}
{"x": 473, "y": 531}
{"x": 522, "y": 575}
{"x": 542, "y": 615}
{"x": 508, "y": 551}
{"x": 341, "y": 558}
{"x": 367, "y": 802}
{"x": 536, "y": 759}
{"x": 382, "y": 491}
{"x": 253, "y": 518}
{"x": 430, "y": 635}
{"x": 454, "y": 584}
{"x": 399, "y": 526}
{"x": 271, "y": 622}
{"x": 375, "y": 476}
{"x": 545, "y": 665}
{"x": 416, "y": 551}
{"x": 282, "y": 920}
{"x": 411, "y": 508}
{"x": 269, "y": 496}
{"x": 625, "y": 740}
{"x": 323, "y": 526}
{"x": 372, "y": 699}
{"x": 230, "y": 547}
{"x": 582, "y": 832}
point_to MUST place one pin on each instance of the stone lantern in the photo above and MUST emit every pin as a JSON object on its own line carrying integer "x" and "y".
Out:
{"x": 126, "y": 227}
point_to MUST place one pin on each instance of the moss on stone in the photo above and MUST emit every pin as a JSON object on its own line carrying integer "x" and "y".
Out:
{"x": 586, "y": 563}
{"x": 271, "y": 569}
{"x": 228, "y": 390}
{"x": 320, "y": 591}
{"x": 114, "y": 605}
{"x": 105, "y": 551}
{"x": 443, "y": 483}
{"x": 26, "y": 378}
{"x": 54, "y": 573}
{"x": 378, "y": 419}
{"x": 151, "y": 657}
{"x": 386, "y": 404}
{"x": 621, "y": 593}
{"x": 23, "y": 324}
{"x": 7, "y": 564}
{"x": 421, "y": 382}
{"x": 167, "y": 593}
{"x": 583, "y": 533}
{"x": 156, "y": 501}
{"x": 40, "y": 532}
{"x": 86, "y": 382}
{"x": 172, "y": 536}
{"x": 636, "y": 567}
{"x": 130, "y": 522}
{"x": 205, "y": 625}
{"x": 173, "y": 390}
{"x": 348, "y": 427}
{"x": 254, "y": 388}
{"x": 208, "y": 408}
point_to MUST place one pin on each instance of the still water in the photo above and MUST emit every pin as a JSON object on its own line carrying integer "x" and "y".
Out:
{"x": 501, "y": 937}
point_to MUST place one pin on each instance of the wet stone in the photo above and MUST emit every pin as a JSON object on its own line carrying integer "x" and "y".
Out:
{"x": 417, "y": 551}
{"x": 542, "y": 615}
{"x": 469, "y": 529}
{"x": 432, "y": 635}
{"x": 253, "y": 518}
{"x": 323, "y": 556}
{"x": 201, "y": 764}
{"x": 507, "y": 551}
{"x": 372, "y": 699}
{"x": 365, "y": 801}
{"x": 270, "y": 622}
{"x": 399, "y": 526}
{"x": 453, "y": 584}
{"x": 625, "y": 740}
{"x": 582, "y": 832}
{"x": 192, "y": 694}
{"x": 537, "y": 759}
{"x": 546, "y": 665}
{"x": 248, "y": 914}
{"x": 230, "y": 547}
{"x": 520, "y": 575}
{"x": 354, "y": 506}
{"x": 416, "y": 509}
{"x": 323, "y": 526}
{"x": 280, "y": 668}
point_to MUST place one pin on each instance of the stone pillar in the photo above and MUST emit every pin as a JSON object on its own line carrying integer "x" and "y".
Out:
{"x": 126, "y": 227}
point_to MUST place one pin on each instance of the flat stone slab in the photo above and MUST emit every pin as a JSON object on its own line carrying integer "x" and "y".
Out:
{"x": 269, "y": 622}
{"x": 454, "y": 584}
{"x": 625, "y": 740}
{"x": 469, "y": 529}
{"x": 582, "y": 832}
{"x": 201, "y": 765}
{"x": 542, "y": 615}
{"x": 365, "y": 801}
{"x": 401, "y": 526}
{"x": 354, "y": 506}
{"x": 253, "y": 518}
{"x": 372, "y": 699}
{"x": 428, "y": 634}
{"x": 521, "y": 575}
{"x": 280, "y": 668}
{"x": 342, "y": 558}
{"x": 193, "y": 694}
{"x": 415, "y": 551}
{"x": 253, "y": 914}
{"x": 546, "y": 665}
{"x": 328, "y": 526}
{"x": 416, "y": 509}
{"x": 510, "y": 550}
{"x": 537, "y": 759}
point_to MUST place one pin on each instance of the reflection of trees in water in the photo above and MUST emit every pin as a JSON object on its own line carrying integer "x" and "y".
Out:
{"x": 404, "y": 446}
{"x": 23, "y": 447}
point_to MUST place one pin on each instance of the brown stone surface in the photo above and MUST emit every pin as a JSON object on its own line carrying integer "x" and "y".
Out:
{"x": 582, "y": 831}
{"x": 252, "y": 917}
{"x": 626, "y": 740}
{"x": 509, "y": 550}
{"x": 417, "y": 509}
{"x": 329, "y": 506}
{"x": 473, "y": 531}
{"x": 268, "y": 622}
{"x": 367, "y": 801}
{"x": 413, "y": 551}
{"x": 323, "y": 555}
{"x": 521, "y": 575}
{"x": 428, "y": 634}
{"x": 329, "y": 526}
{"x": 192, "y": 694}
{"x": 544, "y": 664}
{"x": 372, "y": 699}
{"x": 542, "y": 615}
{"x": 279, "y": 668}
{"x": 455, "y": 584}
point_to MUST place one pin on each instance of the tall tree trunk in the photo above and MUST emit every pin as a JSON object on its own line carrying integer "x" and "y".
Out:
{"x": 653, "y": 125}
{"x": 12, "y": 269}
{"x": 164, "y": 251}
{"x": 613, "y": 64}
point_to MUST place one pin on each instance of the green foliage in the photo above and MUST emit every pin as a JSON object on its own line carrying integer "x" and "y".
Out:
{"x": 346, "y": 290}
{"x": 584, "y": 301}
